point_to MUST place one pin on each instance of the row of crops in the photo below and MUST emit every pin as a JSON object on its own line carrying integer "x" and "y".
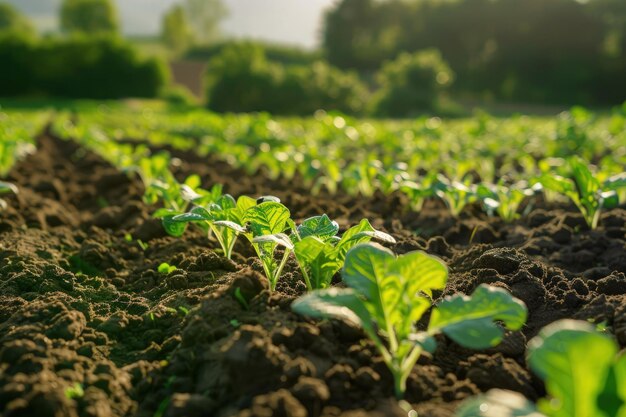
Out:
{"x": 501, "y": 165}
{"x": 497, "y": 163}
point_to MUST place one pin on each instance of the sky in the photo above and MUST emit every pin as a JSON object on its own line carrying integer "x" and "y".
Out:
{"x": 296, "y": 22}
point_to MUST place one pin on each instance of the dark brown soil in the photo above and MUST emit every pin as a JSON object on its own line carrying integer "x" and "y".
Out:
{"x": 80, "y": 303}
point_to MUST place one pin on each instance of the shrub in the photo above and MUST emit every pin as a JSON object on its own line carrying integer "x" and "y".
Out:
{"x": 412, "y": 83}
{"x": 81, "y": 67}
{"x": 242, "y": 79}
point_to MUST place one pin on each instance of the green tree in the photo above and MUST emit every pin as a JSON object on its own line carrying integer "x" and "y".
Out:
{"x": 13, "y": 21}
{"x": 205, "y": 16}
{"x": 89, "y": 16}
{"x": 412, "y": 83}
{"x": 176, "y": 32}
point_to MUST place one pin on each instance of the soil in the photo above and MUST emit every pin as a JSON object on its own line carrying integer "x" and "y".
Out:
{"x": 82, "y": 302}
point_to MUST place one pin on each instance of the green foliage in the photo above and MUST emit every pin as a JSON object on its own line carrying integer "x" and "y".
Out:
{"x": 321, "y": 253}
{"x": 493, "y": 46}
{"x": 204, "y": 17}
{"x": 583, "y": 372}
{"x": 586, "y": 190}
{"x": 242, "y": 79}
{"x": 455, "y": 194}
{"x": 387, "y": 295}
{"x": 74, "y": 391}
{"x": 222, "y": 216}
{"x": 175, "y": 31}
{"x": 412, "y": 84}
{"x": 89, "y": 17}
{"x": 166, "y": 268}
{"x": 13, "y": 21}
{"x": 505, "y": 200}
{"x": 101, "y": 68}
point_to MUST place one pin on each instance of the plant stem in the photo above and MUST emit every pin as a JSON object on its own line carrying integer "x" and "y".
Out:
{"x": 279, "y": 270}
{"x": 307, "y": 280}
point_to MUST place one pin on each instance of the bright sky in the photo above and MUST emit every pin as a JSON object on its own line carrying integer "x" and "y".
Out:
{"x": 286, "y": 21}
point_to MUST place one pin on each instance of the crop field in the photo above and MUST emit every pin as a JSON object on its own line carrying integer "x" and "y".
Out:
{"x": 160, "y": 263}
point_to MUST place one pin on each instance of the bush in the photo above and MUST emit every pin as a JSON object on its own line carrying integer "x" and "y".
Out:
{"x": 412, "y": 84}
{"x": 16, "y": 71}
{"x": 96, "y": 68}
{"x": 242, "y": 79}
{"x": 178, "y": 95}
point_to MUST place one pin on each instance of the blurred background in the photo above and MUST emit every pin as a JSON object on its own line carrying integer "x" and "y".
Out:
{"x": 378, "y": 58}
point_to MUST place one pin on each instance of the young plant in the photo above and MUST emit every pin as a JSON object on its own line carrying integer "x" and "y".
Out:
{"x": 224, "y": 218}
{"x": 418, "y": 192}
{"x": 176, "y": 198}
{"x": 456, "y": 195}
{"x": 387, "y": 295}
{"x": 505, "y": 200}
{"x": 321, "y": 253}
{"x": 586, "y": 190}
{"x": 582, "y": 370}
{"x": 262, "y": 221}
{"x": 6, "y": 188}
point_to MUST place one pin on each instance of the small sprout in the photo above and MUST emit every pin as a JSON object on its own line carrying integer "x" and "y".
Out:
{"x": 456, "y": 195}
{"x": 320, "y": 252}
{"x": 74, "y": 391}
{"x": 142, "y": 245}
{"x": 241, "y": 299}
{"x": 128, "y": 237}
{"x": 165, "y": 268}
{"x": 183, "y": 310}
{"x": 235, "y": 323}
{"x": 585, "y": 189}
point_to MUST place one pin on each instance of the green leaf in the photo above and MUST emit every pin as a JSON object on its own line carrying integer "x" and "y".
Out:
{"x": 308, "y": 249}
{"x": 231, "y": 225}
{"x": 173, "y": 227}
{"x": 498, "y": 403}
{"x": 469, "y": 321}
{"x": 280, "y": 239}
{"x": 586, "y": 182}
{"x": 319, "y": 226}
{"x": 393, "y": 286}
{"x": 615, "y": 182}
{"x": 559, "y": 184}
{"x": 574, "y": 361}
{"x": 267, "y": 218}
{"x": 376, "y": 235}
{"x": 7, "y": 187}
{"x": 342, "y": 304}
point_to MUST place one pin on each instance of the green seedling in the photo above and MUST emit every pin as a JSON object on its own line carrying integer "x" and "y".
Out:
{"x": 584, "y": 375}
{"x": 261, "y": 221}
{"x": 176, "y": 198}
{"x": 417, "y": 192}
{"x": 165, "y": 268}
{"x": 224, "y": 218}
{"x": 456, "y": 195}
{"x": 586, "y": 190}
{"x": 241, "y": 299}
{"x": 321, "y": 253}
{"x": 505, "y": 200}
{"x": 6, "y": 188}
{"x": 74, "y": 391}
{"x": 387, "y": 295}
{"x": 391, "y": 179}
